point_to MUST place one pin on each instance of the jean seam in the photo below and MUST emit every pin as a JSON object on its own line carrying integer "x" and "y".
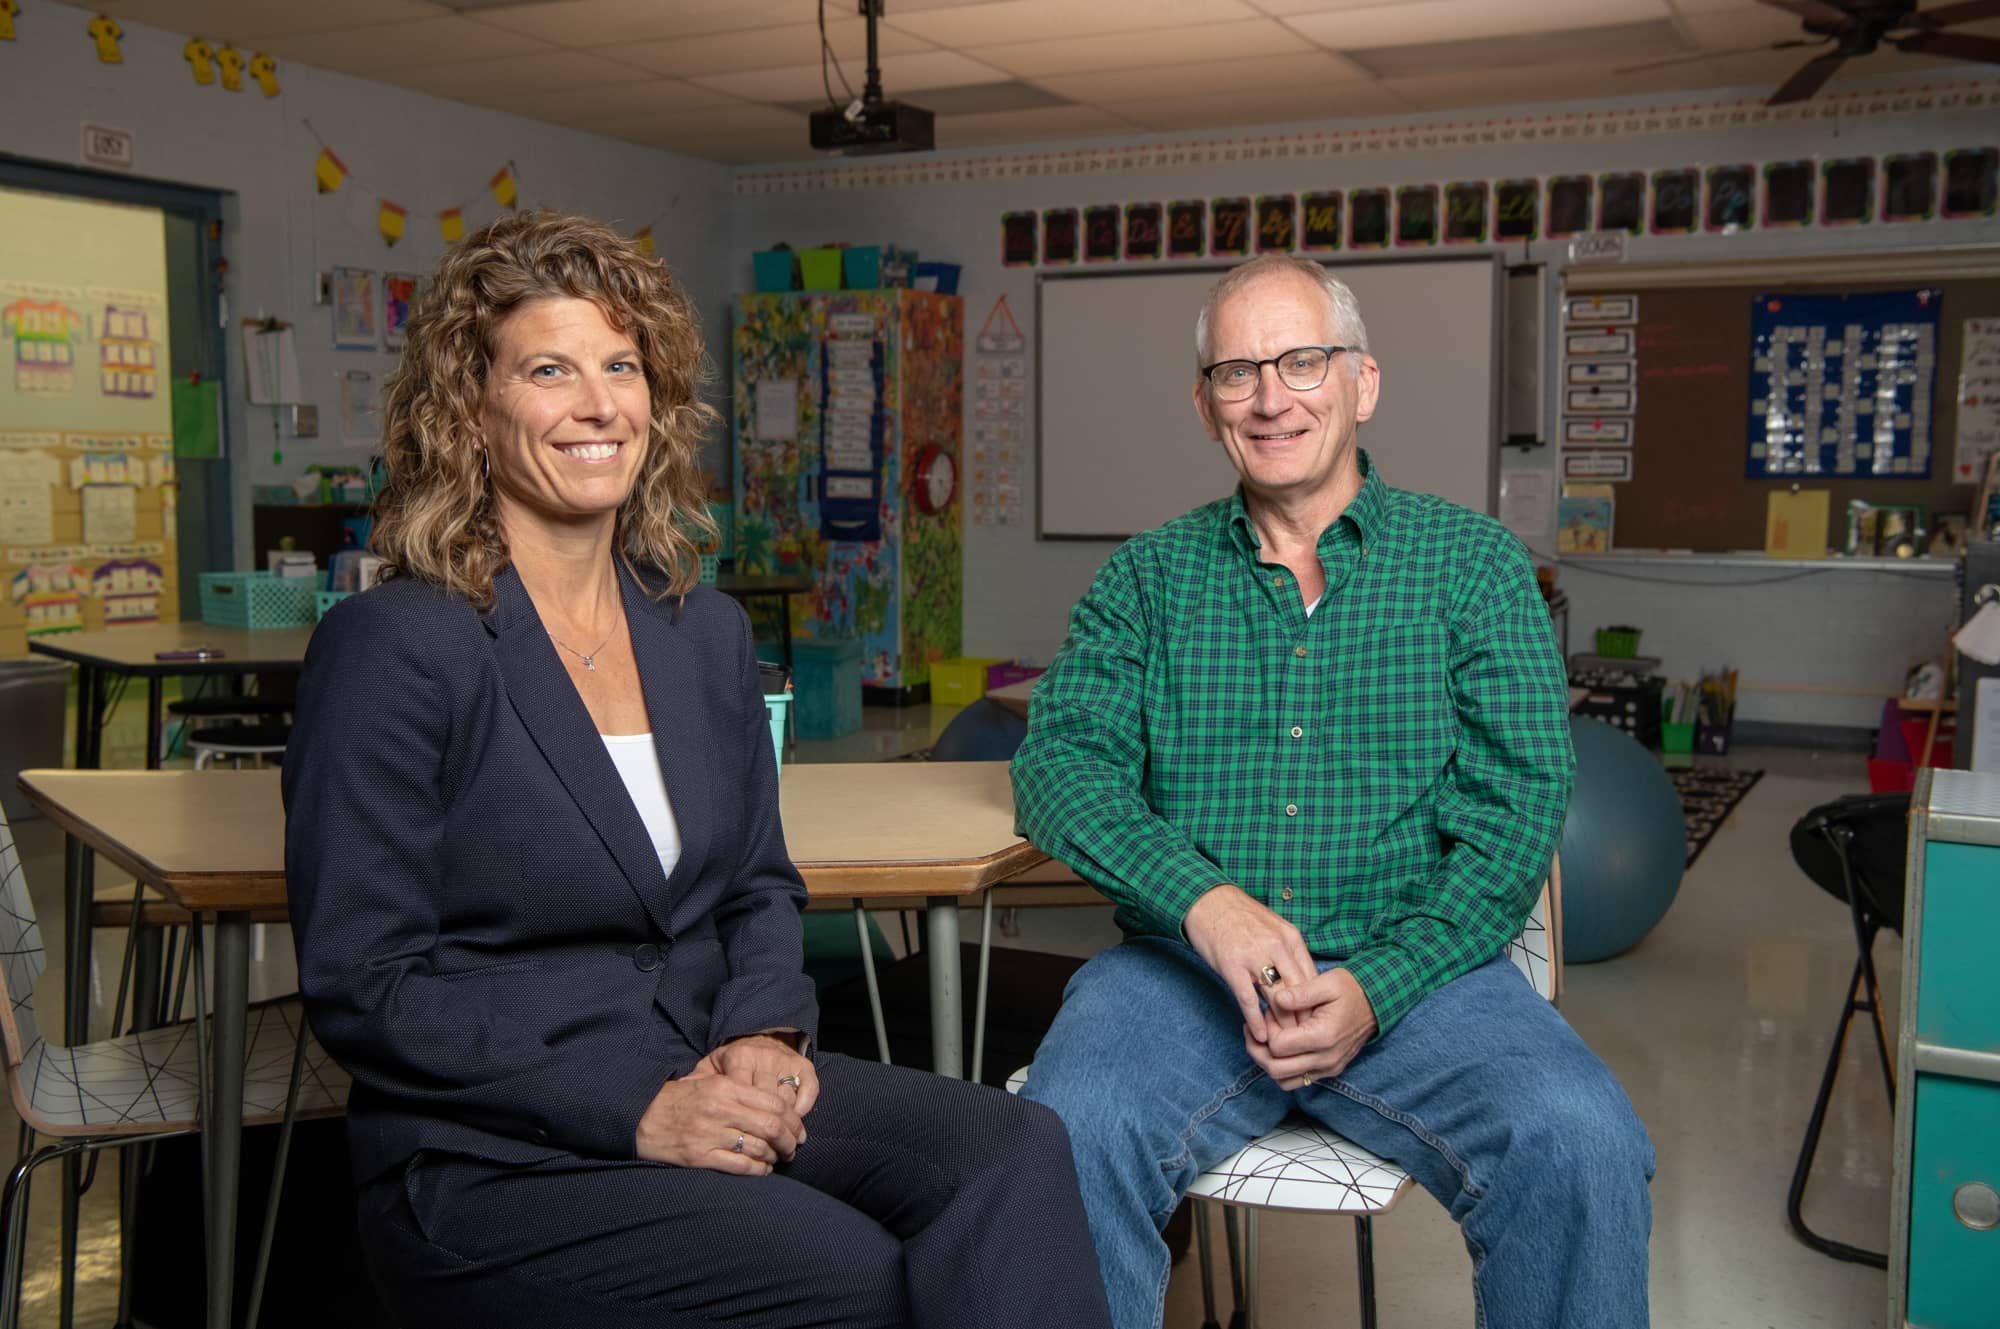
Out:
{"x": 1207, "y": 1110}
{"x": 1417, "y": 1128}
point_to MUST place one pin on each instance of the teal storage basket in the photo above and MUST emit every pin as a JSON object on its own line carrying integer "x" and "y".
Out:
{"x": 325, "y": 600}
{"x": 773, "y": 270}
{"x": 826, "y": 682}
{"x": 256, "y": 600}
{"x": 711, "y": 568}
{"x": 861, "y": 267}
{"x": 778, "y": 703}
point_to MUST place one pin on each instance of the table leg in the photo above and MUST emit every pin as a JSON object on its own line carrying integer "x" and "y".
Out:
{"x": 785, "y": 630}
{"x": 92, "y": 688}
{"x": 941, "y": 940}
{"x": 155, "y": 685}
{"x": 224, "y": 1123}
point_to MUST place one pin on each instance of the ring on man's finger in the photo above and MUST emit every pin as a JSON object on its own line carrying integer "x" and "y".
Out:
{"x": 1271, "y": 976}
{"x": 737, "y": 1148}
{"x": 791, "y": 1080}
{"x": 1305, "y": 1081}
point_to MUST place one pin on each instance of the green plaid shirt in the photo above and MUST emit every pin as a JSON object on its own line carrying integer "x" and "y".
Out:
{"x": 1390, "y": 774}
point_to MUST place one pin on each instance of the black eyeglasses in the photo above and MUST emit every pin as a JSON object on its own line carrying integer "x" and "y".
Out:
{"x": 1301, "y": 369}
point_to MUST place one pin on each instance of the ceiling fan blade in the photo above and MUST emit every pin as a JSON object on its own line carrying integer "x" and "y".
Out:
{"x": 1812, "y": 76}
{"x": 1953, "y": 46}
{"x": 1969, "y": 11}
{"x": 1819, "y": 11}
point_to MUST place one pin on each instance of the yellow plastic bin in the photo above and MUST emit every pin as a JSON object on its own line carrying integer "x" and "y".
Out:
{"x": 819, "y": 269}
{"x": 961, "y": 679}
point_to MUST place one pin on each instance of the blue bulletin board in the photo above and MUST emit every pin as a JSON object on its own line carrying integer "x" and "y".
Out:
{"x": 1843, "y": 384}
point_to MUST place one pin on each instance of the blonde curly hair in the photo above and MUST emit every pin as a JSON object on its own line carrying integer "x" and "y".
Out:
{"x": 434, "y": 517}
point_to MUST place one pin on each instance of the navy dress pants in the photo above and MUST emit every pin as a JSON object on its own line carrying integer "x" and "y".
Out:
{"x": 916, "y": 1200}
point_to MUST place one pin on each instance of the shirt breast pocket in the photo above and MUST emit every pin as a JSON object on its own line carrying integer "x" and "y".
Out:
{"x": 1392, "y": 698}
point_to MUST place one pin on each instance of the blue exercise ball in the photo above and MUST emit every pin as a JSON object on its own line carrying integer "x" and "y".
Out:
{"x": 1624, "y": 846}
{"x": 983, "y": 731}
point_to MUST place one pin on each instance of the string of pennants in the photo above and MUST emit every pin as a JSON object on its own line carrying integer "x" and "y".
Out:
{"x": 1904, "y": 187}
{"x": 330, "y": 173}
{"x": 1496, "y": 131}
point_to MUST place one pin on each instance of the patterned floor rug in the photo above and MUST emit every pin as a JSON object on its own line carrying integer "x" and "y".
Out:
{"x": 1706, "y": 799}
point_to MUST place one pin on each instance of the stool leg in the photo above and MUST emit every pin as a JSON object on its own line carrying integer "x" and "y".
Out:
{"x": 1235, "y": 1266}
{"x": 1249, "y": 1269}
{"x": 1364, "y": 1264}
{"x": 1201, "y": 1240}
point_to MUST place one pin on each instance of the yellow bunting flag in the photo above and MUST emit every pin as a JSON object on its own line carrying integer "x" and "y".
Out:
{"x": 329, "y": 170}
{"x": 104, "y": 30}
{"x": 265, "y": 70}
{"x": 230, "y": 61}
{"x": 8, "y": 8}
{"x": 202, "y": 56}
{"x": 391, "y": 221}
{"x": 644, "y": 238}
{"x": 451, "y": 225}
{"x": 502, "y": 185}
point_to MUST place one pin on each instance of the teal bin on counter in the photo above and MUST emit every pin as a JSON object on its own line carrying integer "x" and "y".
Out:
{"x": 774, "y": 270}
{"x": 861, "y": 267}
{"x": 826, "y": 687}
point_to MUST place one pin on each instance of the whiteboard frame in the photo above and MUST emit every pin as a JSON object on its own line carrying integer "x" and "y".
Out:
{"x": 1339, "y": 262}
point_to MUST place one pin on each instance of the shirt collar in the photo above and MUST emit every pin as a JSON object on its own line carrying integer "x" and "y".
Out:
{"x": 1364, "y": 512}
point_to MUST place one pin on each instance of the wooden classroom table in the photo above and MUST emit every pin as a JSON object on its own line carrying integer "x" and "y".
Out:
{"x": 213, "y": 842}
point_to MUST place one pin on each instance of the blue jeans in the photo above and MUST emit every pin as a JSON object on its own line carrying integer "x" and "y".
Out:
{"x": 1481, "y": 1092}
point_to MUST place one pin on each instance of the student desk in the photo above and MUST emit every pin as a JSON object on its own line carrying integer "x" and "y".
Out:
{"x": 214, "y": 842}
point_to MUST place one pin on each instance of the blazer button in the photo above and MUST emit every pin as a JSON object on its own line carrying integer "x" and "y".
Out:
{"x": 646, "y": 957}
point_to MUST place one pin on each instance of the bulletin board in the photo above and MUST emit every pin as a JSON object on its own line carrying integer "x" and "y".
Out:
{"x": 87, "y": 479}
{"x": 1688, "y": 440}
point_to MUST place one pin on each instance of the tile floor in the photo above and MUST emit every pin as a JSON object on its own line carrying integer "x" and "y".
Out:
{"x": 1717, "y": 1024}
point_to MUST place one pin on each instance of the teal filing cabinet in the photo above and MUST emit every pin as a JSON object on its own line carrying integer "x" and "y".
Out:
{"x": 1944, "y": 1238}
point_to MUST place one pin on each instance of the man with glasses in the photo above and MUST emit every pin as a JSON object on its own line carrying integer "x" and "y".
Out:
{"x": 1312, "y": 739}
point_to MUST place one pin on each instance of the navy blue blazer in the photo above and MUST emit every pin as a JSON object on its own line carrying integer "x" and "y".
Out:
{"x": 486, "y": 939}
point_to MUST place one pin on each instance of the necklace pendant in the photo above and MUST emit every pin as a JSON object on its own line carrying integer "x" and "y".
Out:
{"x": 589, "y": 662}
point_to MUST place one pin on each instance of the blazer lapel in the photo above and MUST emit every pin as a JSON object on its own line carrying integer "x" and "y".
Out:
{"x": 561, "y": 727}
{"x": 669, "y": 675}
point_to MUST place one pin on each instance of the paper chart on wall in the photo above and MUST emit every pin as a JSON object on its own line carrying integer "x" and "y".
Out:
{"x": 110, "y": 514}
{"x": 27, "y": 509}
{"x": 1524, "y": 500}
{"x": 1978, "y": 400}
{"x": 270, "y": 363}
{"x": 777, "y": 407}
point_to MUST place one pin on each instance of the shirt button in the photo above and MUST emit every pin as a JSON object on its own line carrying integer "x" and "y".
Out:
{"x": 1286, "y": 894}
{"x": 1298, "y": 732}
{"x": 646, "y": 957}
{"x": 1277, "y": 581}
{"x": 1291, "y": 809}
{"x": 1299, "y": 651}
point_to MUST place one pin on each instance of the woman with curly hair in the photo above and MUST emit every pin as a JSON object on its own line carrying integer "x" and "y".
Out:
{"x": 543, "y": 908}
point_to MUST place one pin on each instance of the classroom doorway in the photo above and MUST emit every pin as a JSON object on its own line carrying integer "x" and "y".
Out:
{"x": 114, "y": 481}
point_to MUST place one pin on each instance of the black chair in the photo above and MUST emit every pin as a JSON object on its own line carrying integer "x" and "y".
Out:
{"x": 1854, "y": 848}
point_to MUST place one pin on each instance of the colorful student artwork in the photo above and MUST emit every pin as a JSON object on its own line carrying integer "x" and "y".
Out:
{"x": 129, "y": 590}
{"x": 354, "y": 309}
{"x": 127, "y": 352}
{"x": 399, "y": 293}
{"x": 51, "y": 597}
{"x": 1583, "y": 525}
{"x": 43, "y": 356}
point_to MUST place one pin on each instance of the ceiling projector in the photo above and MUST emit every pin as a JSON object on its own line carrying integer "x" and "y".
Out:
{"x": 864, "y": 127}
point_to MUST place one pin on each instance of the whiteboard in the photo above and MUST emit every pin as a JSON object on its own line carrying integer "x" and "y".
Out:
{"x": 1120, "y": 449}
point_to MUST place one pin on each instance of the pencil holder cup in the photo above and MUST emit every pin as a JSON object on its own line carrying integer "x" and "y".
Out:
{"x": 1712, "y": 740}
{"x": 1617, "y": 643}
{"x": 1676, "y": 737}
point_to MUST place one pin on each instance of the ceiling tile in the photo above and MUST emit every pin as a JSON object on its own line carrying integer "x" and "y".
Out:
{"x": 1272, "y": 106}
{"x": 1143, "y": 47}
{"x": 1288, "y": 8}
{"x": 1416, "y": 21}
{"x": 1218, "y": 76}
{"x": 767, "y": 48}
{"x": 552, "y": 71}
{"x": 587, "y": 106}
{"x": 1540, "y": 84}
{"x": 993, "y": 24}
{"x": 431, "y": 41}
{"x": 901, "y": 75}
{"x": 1612, "y": 48}
{"x": 580, "y": 23}
{"x": 972, "y": 131}
{"x": 1737, "y": 29}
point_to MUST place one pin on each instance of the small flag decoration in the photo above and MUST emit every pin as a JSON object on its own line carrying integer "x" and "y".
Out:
{"x": 451, "y": 225}
{"x": 329, "y": 171}
{"x": 392, "y": 221}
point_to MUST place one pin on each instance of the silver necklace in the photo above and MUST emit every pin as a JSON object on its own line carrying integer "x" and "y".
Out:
{"x": 590, "y": 660}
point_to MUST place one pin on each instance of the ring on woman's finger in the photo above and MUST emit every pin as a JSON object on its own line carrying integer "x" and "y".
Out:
{"x": 737, "y": 1148}
{"x": 791, "y": 1080}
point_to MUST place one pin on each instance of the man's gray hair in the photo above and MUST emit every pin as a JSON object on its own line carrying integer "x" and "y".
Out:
{"x": 1348, "y": 329}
